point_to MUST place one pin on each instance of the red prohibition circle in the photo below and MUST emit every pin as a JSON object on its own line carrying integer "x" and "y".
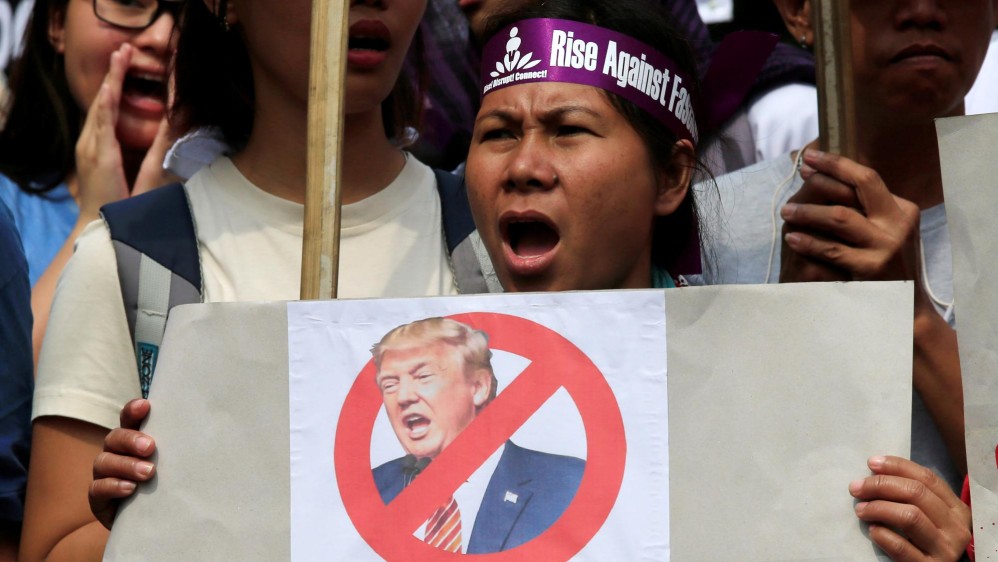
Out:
{"x": 555, "y": 363}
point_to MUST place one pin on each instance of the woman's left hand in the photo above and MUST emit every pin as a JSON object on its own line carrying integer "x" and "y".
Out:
{"x": 913, "y": 514}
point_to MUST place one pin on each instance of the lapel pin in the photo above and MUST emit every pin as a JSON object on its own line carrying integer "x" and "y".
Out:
{"x": 511, "y": 497}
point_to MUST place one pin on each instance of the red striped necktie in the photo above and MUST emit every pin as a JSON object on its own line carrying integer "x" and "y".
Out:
{"x": 443, "y": 529}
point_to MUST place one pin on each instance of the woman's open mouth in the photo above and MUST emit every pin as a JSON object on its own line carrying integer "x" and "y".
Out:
{"x": 368, "y": 43}
{"x": 530, "y": 241}
{"x": 145, "y": 92}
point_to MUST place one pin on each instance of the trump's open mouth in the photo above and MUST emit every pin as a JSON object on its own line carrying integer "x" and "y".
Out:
{"x": 417, "y": 425}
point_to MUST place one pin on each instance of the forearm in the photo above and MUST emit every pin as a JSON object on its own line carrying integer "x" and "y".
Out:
{"x": 78, "y": 541}
{"x": 936, "y": 376}
{"x": 58, "y": 524}
{"x": 83, "y": 544}
{"x": 44, "y": 290}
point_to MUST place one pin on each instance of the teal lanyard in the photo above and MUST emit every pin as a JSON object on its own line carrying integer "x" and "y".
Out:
{"x": 660, "y": 278}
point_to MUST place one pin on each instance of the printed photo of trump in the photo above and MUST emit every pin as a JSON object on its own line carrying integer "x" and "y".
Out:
{"x": 435, "y": 376}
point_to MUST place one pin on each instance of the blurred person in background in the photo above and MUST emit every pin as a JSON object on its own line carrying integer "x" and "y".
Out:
{"x": 85, "y": 125}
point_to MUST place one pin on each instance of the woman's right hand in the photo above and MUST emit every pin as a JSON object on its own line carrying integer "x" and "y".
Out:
{"x": 99, "y": 163}
{"x": 122, "y": 464}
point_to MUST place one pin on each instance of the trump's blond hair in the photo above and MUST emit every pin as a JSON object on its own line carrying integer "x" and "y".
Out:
{"x": 471, "y": 345}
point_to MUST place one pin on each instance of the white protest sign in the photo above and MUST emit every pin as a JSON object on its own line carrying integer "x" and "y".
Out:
{"x": 968, "y": 179}
{"x": 580, "y": 374}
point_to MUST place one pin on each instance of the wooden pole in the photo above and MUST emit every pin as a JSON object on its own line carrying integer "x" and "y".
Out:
{"x": 326, "y": 90}
{"x": 833, "y": 64}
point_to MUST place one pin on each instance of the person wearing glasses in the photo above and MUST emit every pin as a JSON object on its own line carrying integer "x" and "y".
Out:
{"x": 85, "y": 124}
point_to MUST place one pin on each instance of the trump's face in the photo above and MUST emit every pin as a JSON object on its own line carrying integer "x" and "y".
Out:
{"x": 428, "y": 396}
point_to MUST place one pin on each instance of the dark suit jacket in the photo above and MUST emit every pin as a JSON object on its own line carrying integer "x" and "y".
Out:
{"x": 543, "y": 484}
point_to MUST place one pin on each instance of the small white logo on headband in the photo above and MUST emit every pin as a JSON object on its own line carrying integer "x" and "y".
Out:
{"x": 517, "y": 62}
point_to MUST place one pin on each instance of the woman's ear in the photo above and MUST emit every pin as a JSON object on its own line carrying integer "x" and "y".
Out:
{"x": 797, "y": 17}
{"x": 57, "y": 29}
{"x": 674, "y": 181}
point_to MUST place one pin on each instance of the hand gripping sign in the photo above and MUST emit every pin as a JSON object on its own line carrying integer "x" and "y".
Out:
{"x": 555, "y": 363}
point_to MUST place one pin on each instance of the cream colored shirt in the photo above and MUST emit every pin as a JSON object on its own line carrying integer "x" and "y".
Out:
{"x": 392, "y": 245}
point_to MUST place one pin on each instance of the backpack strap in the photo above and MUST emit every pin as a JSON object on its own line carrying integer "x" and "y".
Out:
{"x": 159, "y": 266}
{"x": 473, "y": 270}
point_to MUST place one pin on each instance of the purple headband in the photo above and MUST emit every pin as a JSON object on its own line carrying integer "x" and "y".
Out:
{"x": 553, "y": 50}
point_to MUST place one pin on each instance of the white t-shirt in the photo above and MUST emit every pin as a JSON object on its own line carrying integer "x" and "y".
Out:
{"x": 392, "y": 245}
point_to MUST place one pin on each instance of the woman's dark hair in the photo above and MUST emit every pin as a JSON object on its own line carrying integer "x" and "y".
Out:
{"x": 214, "y": 81}
{"x": 38, "y": 140}
{"x": 642, "y": 20}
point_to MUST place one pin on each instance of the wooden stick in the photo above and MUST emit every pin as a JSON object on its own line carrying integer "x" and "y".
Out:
{"x": 321, "y": 245}
{"x": 833, "y": 64}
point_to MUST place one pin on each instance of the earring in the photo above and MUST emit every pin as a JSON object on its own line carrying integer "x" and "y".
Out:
{"x": 803, "y": 42}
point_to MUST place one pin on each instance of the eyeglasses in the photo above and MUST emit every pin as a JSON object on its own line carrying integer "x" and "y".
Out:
{"x": 134, "y": 14}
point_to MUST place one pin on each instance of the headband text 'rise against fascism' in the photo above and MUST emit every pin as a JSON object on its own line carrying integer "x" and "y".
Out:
{"x": 553, "y": 50}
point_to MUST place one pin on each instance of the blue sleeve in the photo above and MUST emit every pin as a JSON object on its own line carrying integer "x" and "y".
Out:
{"x": 16, "y": 371}
{"x": 8, "y": 193}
